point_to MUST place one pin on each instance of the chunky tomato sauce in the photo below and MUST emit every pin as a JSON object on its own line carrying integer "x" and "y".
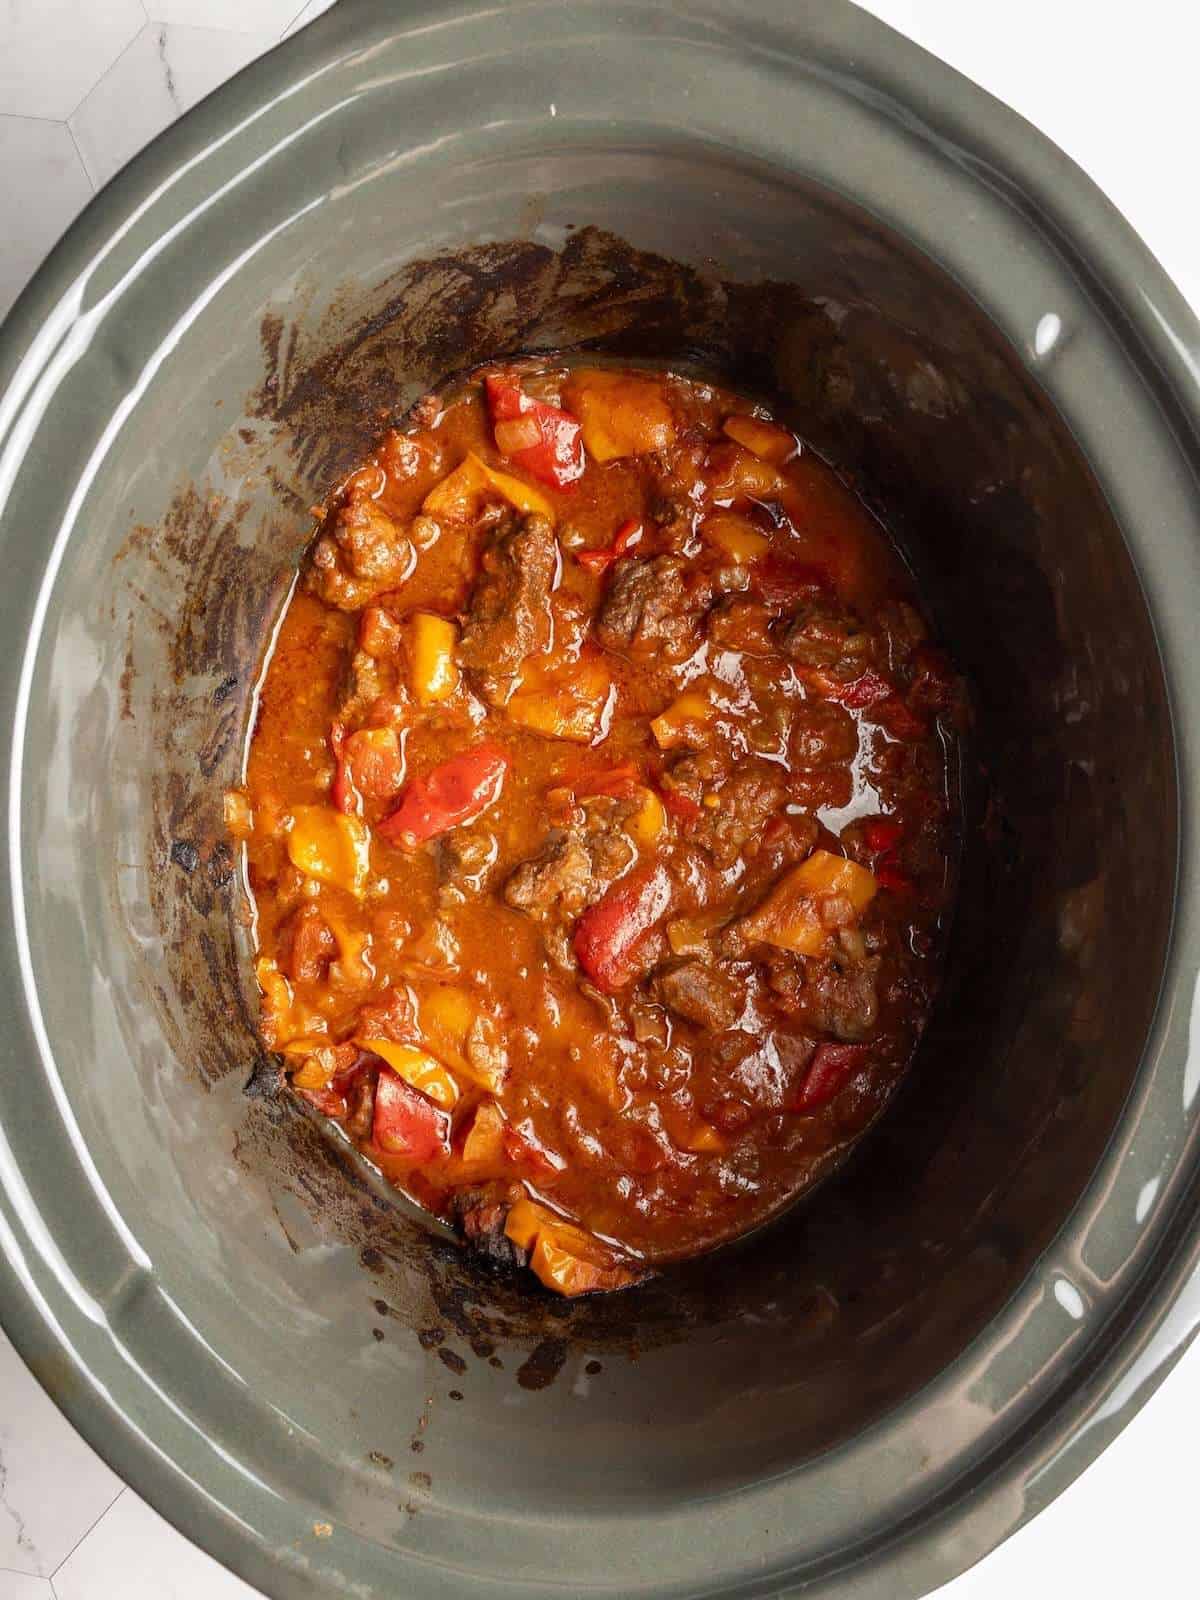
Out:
{"x": 598, "y": 817}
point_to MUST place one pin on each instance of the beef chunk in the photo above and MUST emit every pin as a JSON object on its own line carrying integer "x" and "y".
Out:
{"x": 509, "y": 617}
{"x": 574, "y": 868}
{"x": 936, "y": 689}
{"x": 649, "y": 1024}
{"x": 361, "y": 553}
{"x": 823, "y": 734}
{"x": 842, "y": 999}
{"x": 748, "y": 797}
{"x": 561, "y": 874}
{"x": 742, "y": 624}
{"x": 655, "y": 608}
{"x": 368, "y": 680}
{"x": 480, "y": 1215}
{"x": 830, "y": 996}
{"x": 819, "y": 635}
{"x": 306, "y": 945}
{"x": 360, "y": 1106}
{"x": 701, "y": 993}
{"x": 465, "y": 858}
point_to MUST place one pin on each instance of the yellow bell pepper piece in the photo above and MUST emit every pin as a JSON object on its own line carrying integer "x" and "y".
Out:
{"x": 434, "y": 671}
{"x": 767, "y": 440}
{"x": 621, "y": 415}
{"x": 330, "y": 846}
{"x": 688, "y": 936}
{"x": 525, "y": 1221}
{"x": 284, "y": 1019}
{"x": 447, "y": 1015}
{"x": 305, "y": 1045}
{"x": 739, "y": 539}
{"x": 484, "y": 1143}
{"x": 737, "y": 472}
{"x": 519, "y": 494}
{"x": 790, "y": 916}
{"x": 312, "y": 1074}
{"x": 418, "y": 1068}
{"x": 648, "y": 821}
{"x": 671, "y": 727}
{"x": 565, "y": 1257}
{"x": 457, "y": 497}
{"x": 562, "y": 1270}
{"x": 571, "y": 705}
{"x": 702, "y": 1138}
{"x": 573, "y": 1262}
{"x": 447, "y": 1018}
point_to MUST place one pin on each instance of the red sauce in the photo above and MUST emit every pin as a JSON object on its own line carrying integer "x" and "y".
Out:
{"x": 597, "y": 817}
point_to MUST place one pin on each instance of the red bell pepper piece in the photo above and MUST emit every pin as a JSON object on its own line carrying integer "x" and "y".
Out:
{"x": 868, "y": 689}
{"x": 344, "y": 795}
{"x": 617, "y": 780}
{"x": 329, "y": 1102}
{"x": 457, "y": 791}
{"x": 556, "y": 456}
{"x": 628, "y": 535}
{"x": 405, "y": 1123}
{"x": 608, "y": 934}
{"x": 681, "y": 806}
{"x": 831, "y": 1068}
{"x": 882, "y": 834}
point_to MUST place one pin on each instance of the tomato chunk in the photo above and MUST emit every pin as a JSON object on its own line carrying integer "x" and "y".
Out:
{"x": 547, "y": 442}
{"x": 608, "y": 934}
{"x": 615, "y": 780}
{"x": 457, "y": 791}
{"x": 405, "y": 1123}
{"x": 831, "y": 1068}
{"x": 868, "y": 689}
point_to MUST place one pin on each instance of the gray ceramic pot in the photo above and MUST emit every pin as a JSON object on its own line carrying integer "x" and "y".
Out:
{"x": 870, "y": 1394}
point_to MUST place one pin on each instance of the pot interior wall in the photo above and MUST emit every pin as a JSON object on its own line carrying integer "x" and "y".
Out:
{"x": 737, "y": 1366}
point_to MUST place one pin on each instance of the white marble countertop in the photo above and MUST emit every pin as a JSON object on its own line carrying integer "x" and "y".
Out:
{"x": 83, "y": 85}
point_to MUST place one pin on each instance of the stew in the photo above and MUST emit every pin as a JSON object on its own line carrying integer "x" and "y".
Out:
{"x": 599, "y": 817}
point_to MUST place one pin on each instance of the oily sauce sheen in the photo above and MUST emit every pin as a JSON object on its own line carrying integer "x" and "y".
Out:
{"x": 598, "y": 817}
